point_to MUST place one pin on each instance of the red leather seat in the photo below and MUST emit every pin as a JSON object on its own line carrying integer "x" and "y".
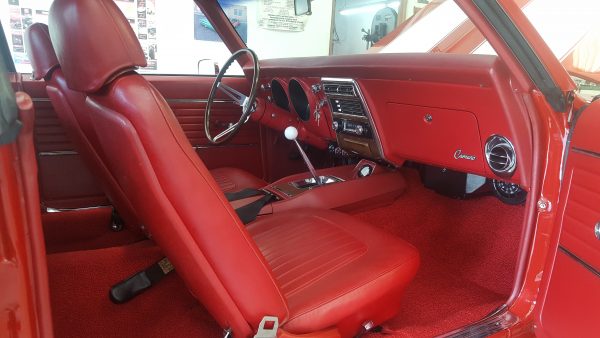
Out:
{"x": 72, "y": 112}
{"x": 312, "y": 269}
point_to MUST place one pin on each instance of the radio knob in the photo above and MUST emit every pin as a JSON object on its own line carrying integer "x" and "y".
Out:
{"x": 335, "y": 125}
{"x": 359, "y": 129}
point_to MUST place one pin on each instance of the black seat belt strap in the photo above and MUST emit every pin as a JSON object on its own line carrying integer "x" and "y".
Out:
{"x": 244, "y": 193}
{"x": 249, "y": 212}
{"x": 126, "y": 290}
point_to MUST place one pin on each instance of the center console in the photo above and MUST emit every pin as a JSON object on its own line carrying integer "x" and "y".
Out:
{"x": 352, "y": 121}
{"x": 347, "y": 188}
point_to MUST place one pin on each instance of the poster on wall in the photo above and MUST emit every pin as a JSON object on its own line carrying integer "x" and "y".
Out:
{"x": 237, "y": 14}
{"x": 23, "y": 13}
{"x": 141, "y": 16}
{"x": 279, "y": 15}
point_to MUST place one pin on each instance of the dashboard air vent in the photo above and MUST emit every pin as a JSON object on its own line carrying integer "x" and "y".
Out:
{"x": 500, "y": 155}
{"x": 341, "y": 89}
{"x": 347, "y": 106}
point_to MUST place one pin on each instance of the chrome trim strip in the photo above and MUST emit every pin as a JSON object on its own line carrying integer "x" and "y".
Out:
{"x": 579, "y": 260}
{"x": 500, "y": 319}
{"x": 40, "y": 99}
{"x": 198, "y": 101}
{"x": 350, "y": 116}
{"x": 199, "y": 146}
{"x": 586, "y": 152}
{"x": 365, "y": 105}
{"x": 54, "y": 210}
{"x": 58, "y": 153}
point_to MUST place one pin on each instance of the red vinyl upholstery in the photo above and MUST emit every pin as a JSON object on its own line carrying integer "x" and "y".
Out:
{"x": 72, "y": 112}
{"x": 240, "y": 274}
{"x": 333, "y": 269}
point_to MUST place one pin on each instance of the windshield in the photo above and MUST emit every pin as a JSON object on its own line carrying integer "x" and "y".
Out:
{"x": 570, "y": 28}
{"x": 177, "y": 37}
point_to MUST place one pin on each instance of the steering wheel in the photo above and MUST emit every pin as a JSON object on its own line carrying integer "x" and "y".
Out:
{"x": 245, "y": 101}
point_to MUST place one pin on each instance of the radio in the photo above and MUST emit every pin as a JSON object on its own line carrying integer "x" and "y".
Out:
{"x": 351, "y": 127}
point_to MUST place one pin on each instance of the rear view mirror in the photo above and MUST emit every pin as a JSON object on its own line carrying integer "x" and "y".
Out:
{"x": 302, "y": 7}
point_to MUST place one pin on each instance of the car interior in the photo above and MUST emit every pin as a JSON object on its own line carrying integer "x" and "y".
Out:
{"x": 376, "y": 194}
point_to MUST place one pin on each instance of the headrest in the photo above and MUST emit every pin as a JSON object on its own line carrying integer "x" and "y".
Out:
{"x": 94, "y": 42}
{"x": 40, "y": 50}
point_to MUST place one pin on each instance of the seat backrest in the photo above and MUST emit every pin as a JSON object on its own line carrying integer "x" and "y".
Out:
{"x": 146, "y": 150}
{"x": 73, "y": 114}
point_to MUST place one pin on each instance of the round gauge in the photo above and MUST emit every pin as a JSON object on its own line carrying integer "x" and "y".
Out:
{"x": 299, "y": 100}
{"x": 279, "y": 96}
{"x": 509, "y": 193}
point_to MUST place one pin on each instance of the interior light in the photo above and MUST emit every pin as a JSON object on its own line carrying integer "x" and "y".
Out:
{"x": 369, "y": 8}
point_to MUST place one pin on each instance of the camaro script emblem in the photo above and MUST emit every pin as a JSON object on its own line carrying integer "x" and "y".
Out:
{"x": 460, "y": 156}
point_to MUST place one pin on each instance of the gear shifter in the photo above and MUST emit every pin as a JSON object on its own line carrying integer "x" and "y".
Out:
{"x": 291, "y": 133}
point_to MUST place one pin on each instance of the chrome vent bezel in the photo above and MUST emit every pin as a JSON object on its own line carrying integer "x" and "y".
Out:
{"x": 501, "y": 156}
{"x": 339, "y": 89}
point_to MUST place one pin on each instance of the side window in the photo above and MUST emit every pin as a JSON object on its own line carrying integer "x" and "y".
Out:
{"x": 176, "y": 37}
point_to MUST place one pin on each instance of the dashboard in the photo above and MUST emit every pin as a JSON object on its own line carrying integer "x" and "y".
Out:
{"x": 454, "y": 111}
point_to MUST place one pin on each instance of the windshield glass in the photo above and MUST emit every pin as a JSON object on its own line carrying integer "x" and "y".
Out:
{"x": 270, "y": 27}
{"x": 177, "y": 37}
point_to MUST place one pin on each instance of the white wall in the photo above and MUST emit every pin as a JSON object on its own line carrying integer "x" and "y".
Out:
{"x": 178, "y": 51}
{"x": 313, "y": 41}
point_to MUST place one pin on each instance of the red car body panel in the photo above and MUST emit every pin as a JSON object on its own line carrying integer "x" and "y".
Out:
{"x": 24, "y": 295}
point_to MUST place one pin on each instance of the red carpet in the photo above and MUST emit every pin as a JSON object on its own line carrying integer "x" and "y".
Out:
{"x": 468, "y": 250}
{"x": 79, "y": 284}
{"x": 84, "y": 230}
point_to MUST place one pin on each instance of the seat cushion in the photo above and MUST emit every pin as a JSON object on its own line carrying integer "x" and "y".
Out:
{"x": 234, "y": 179}
{"x": 333, "y": 269}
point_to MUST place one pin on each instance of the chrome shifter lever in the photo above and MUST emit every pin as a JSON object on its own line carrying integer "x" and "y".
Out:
{"x": 291, "y": 133}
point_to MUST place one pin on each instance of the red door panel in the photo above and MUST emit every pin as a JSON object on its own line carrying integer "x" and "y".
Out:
{"x": 570, "y": 294}
{"x": 65, "y": 182}
{"x": 187, "y": 96}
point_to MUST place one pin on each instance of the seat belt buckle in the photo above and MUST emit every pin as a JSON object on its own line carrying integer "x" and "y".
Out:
{"x": 268, "y": 327}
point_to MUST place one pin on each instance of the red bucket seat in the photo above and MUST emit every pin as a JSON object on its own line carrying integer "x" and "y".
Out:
{"x": 74, "y": 115}
{"x": 312, "y": 269}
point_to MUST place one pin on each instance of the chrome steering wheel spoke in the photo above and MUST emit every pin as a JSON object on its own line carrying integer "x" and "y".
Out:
{"x": 238, "y": 97}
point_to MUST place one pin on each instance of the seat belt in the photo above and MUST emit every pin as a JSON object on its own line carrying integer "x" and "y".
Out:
{"x": 249, "y": 212}
{"x": 268, "y": 327}
{"x": 126, "y": 290}
{"x": 244, "y": 193}
{"x": 129, "y": 288}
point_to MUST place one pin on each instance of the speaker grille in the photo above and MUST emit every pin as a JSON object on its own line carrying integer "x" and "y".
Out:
{"x": 500, "y": 155}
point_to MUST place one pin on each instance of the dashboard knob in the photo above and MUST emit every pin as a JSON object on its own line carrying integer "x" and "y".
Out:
{"x": 365, "y": 171}
{"x": 335, "y": 125}
{"x": 360, "y": 130}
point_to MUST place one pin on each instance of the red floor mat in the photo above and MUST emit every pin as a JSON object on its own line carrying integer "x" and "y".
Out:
{"x": 84, "y": 230}
{"x": 468, "y": 250}
{"x": 79, "y": 284}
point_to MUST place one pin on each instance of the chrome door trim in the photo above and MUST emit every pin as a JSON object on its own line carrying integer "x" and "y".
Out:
{"x": 58, "y": 153}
